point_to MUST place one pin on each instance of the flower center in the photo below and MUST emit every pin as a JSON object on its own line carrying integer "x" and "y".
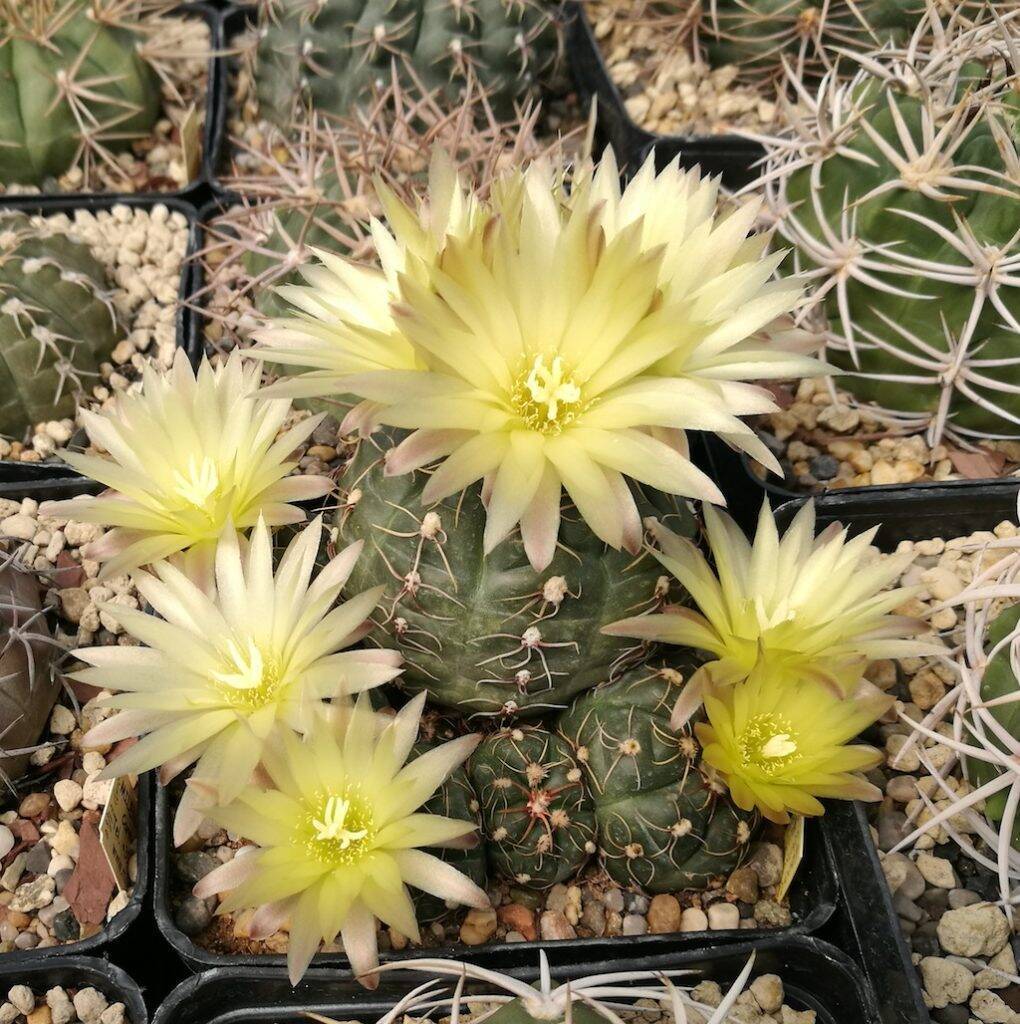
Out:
{"x": 342, "y": 830}
{"x": 249, "y": 681}
{"x": 769, "y": 744}
{"x": 198, "y": 483}
{"x": 546, "y": 396}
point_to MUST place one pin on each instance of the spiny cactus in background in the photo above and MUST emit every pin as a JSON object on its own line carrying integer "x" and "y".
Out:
{"x": 486, "y": 634}
{"x": 79, "y": 81}
{"x": 538, "y": 821}
{"x": 57, "y": 323}
{"x": 332, "y": 54}
{"x": 898, "y": 193}
{"x": 663, "y": 824}
{"x": 29, "y": 684}
{"x": 455, "y": 798}
{"x": 315, "y": 189}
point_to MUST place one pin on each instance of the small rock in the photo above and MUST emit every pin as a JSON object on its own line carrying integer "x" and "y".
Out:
{"x": 479, "y": 926}
{"x": 635, "y": 924}
{"x": 68, "y": 794}
{"x": 113, "y": 1014}
{"x": 193, "y": 915}
{"x": 20, "y": 526}
{"x": 33, "y": 895}
{"x": 65, "y": 840}
{"x": 8, "y": 1013}
{"x": 13, "y": 872}
{"x": 988, "y": 1006}
{"x": 40, "y": 1015}
{"x": 23, "y": 998}
{"x": 707, "y": 992}
{"x": 823, "y": 467}
{"x": 902, "y": 876}
{"x": 723, "y": 917}
{"x": 946, "y": 981}
{"x": 89, "y": 1004}
{"x": 34, "y": 805}
{"x": 767, "y": 989}
{"x": 61, "y": 1007}
{"x": 612, "y": 899}
{"x": 963, "y": 898}
{"x": 664, "y": 915}
{"x": 790, "y": 1016}
{"x": 553, "y": 926}
{"x": 593, "y": 917}
{"x": 767, "y": 861}
{"x": 38, "y": 858}
{"x": 979, "y": 930}
{"x": 6, "y": 841}
{"x": 937, "y": 871}
{"x": 193, "y": 867}
{"x": 62, "y": 721}
{"x": 743, "y": 884}
{"x": 693, "y": 919}
{"x": 770, "y": 914}
{"x": 66, "y": 927}
{"x": 518, "y": 918}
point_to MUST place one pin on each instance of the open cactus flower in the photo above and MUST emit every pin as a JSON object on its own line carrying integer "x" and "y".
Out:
{"x": 339, "y": 836}
{"x": 221, "y": 670}
{"x": 780, "y": 741}
{"x": 545, "y": 338}
{"x": 188, "y": 455}
{"x": 816, "y": 607}
{"x": 588, "y": 1000}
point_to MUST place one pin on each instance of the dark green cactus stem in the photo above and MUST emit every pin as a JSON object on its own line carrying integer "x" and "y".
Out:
{"x": 515, "y": 1012}
{"x": 998, "y": 681}
{"x": 57, "y": 324}
{"x": 489, "y": 635}
{"x": 537, "y": 814}
{"x": 454, "y": 799}
{"x": 30, "y": 686}
{"x": 331, "y": 54}
{"x": 68, "y": 84}
{"x": 663, "y": 824}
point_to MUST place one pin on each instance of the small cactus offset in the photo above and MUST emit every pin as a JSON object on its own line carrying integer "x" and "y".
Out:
{"x": 57, "y": 323}
{"x": 75, "y": 83}
{"x": 331, "y": 54}
{"x": 456, "y": 799}
{"x": 30, "y": 686}
{"x": 538, "y": 821}
{"x": 487, "y": 635}
{"x": 897, "y": 192}
{"x": 663, "y": 823}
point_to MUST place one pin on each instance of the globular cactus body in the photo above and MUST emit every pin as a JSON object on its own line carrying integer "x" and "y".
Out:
{"x": 537, "y": 815}
{"x": 898, "y": 194}
{"x": 68, "y": 83}
{"x": 332, "y": 53}
{"x": 30, "y": 686}
{"x": 486, "y": 634}
{"x": 663, "y": 825}
{"x": 57, "y": 324}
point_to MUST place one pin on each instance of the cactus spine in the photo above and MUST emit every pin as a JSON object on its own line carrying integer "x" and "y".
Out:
{"x": 537, "y": 815}
{"x": 57, "y": 323}
{"x": 331, "y": 54}
{"x": 663, "y": 824}
{"x": 487, "y": 635}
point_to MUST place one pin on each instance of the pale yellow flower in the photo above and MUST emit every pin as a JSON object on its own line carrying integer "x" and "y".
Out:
{"x": 221, "y": 670}
{"x": 338, "y": 836}
{"x": 817, "y": 608}
{"x": 780, "y": 742}
{"x": 188, "y": 455}
{"x": 548, "y": 338}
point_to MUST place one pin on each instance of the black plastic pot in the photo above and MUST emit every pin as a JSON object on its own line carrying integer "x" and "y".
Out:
{"x": 117, "y": 937}
{"x": 816, "y": 976}
{"x": 188, "y": 333}
{"x": 812, "y": 899}
{"x": 867, "y": 923}
{"x": 732, "y": 157}
{"x": 78, "y": 972}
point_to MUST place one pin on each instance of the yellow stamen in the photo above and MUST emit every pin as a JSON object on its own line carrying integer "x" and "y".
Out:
{"x": 545, "y": 396}
{"x": 250, "y": 680}
{"x": 333, "y": 827}
{"x": 768, "y": 744}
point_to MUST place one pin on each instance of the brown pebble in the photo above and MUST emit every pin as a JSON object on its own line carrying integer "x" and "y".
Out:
{"x": 518, "y": 918}
{"x": 664, "y": 915}
{"x": 40, "y": 1015}
{"x": 34, "y": 805}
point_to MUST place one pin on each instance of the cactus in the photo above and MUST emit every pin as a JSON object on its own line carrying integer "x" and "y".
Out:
{"x": 663, "y": 824}
{"x": 332, "y": 54}
{"x": 74, "y": 83}
{"x": 898, "y": 193}
{"x": 57, "y": 323}
{"x": 537, "y": 814}
{"x": 456, "y": 799}
{"x": 30, "y": 686}
{"x": 488, "y": 635}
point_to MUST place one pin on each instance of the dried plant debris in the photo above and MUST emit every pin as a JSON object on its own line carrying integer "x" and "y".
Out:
{"x": 86, "y": 301}
{"x": 60, "y": 1005}
{"x": 56, "y": 884}
{"x": 946, "y": 830}
{"x": 312, "y": 187}
{"x": 107, "y": 95}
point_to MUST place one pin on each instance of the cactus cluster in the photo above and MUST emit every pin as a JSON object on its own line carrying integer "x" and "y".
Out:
{"x": 30, "y": 686}
{"x": 897, "y": 191}
{"x": 57, "y": 323}
{"x": 487, "y": 634}
{"x": 79, "y": 81}
{"x": 537, "y": 814}
{"x": 664, "y": 824}
{"x": 333, "y": 54}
